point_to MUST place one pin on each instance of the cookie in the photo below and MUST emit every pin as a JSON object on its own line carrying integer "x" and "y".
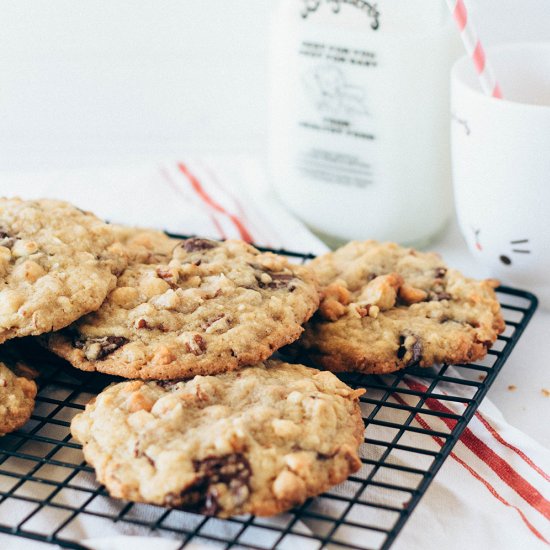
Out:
{"x": 210, "y": 307}
{"x": 385, "y": 308}
{"x": 55, "y": 265}
{"x": 17, "y": 394}
{"x": 258, "y": 440}
{"x": 143, "y": 245}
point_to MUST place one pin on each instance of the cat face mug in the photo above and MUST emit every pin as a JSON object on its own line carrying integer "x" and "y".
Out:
{"x": 501, "y": 165}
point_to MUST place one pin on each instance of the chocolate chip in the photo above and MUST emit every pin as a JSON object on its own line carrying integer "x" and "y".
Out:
{"x": 324, "y": 456}
{"x": 192, "y": 245}
{"x": 107, "y": 345}
{"x": 278, "y": 281}
{"x": 415, "y": 350}
{"x": 142, "y": 323}
{"x": 6, "y": 239}
{"x": 440, "y": 272}
{"x": 232, "y": 470}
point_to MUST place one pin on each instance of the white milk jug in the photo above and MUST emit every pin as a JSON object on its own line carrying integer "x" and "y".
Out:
{"x": 359, "y": 116}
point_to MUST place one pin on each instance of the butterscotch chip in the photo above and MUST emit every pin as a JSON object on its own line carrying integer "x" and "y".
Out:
{"x": 411, "y": 295}
{"x": 191, "y": 307}
{"x": 405, "y": 308}
{"x": 56, "y": 264}
{"x": 259, "y": 440}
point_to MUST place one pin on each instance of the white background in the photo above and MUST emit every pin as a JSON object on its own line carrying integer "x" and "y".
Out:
{"x": 87, "y": 81}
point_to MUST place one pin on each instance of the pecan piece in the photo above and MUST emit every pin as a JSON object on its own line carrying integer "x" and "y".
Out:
{"x": 196, "y": 345}
{"x": 209, "y": 322}
{"x": 168, "y": 275}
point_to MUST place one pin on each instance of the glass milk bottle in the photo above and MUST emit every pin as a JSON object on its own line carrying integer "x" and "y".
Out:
{"x": 359, "y": 116}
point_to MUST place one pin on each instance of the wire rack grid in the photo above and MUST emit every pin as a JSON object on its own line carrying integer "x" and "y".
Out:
{"x": 413, "y": 418}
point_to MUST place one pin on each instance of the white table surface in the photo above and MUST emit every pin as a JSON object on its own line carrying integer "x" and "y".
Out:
{"x": 528, "y": 369}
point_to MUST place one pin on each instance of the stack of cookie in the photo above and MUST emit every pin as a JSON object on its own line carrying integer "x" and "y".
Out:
{"x": 209, "y": 421}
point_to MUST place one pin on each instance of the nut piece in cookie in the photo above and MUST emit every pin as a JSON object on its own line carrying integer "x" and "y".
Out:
{"x": 195, "y": 307}
{"x": 385, "y": 307}
{"x": 258, "y": 441}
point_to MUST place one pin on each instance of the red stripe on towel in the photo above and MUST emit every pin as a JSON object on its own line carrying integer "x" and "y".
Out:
{"x": 491, "y": 489}
{"x": 514, "y": 449}
{"x": 502, "y": 468}
{"x": 198, "y": 188}
{"x": 178, "y": 190}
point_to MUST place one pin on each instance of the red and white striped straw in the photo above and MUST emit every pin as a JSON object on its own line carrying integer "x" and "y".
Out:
{"x": 474, "y": 48}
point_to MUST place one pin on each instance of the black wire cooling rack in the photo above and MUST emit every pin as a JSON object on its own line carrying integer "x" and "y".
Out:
{"x": 45, "y": 482}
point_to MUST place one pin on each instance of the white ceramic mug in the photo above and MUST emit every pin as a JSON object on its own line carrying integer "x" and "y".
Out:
{"x": 501, "y": 165}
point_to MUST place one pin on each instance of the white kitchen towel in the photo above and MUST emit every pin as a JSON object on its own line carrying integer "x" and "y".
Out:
{"x": 219, "y": 196}
{"x": 492, "y": 492}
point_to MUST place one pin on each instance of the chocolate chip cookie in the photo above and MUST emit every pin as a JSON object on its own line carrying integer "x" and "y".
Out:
{"x": 210, "y": 307}
{"x": 258, "y": 440}
{"x": 55, "y": 265}
{"x": 142, "y": 245}
{"x": 384, "y": 308}
{"x": 17, "y": 394}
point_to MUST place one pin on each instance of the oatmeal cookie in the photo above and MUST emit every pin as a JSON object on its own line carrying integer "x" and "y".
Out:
{"x": 384, "y": 308}
{"x": 17, "y": 393}
{"x": 210, "y": 307}
{"x": 143, "y": 245}
{"x": 259, "y": 440}
{"x": 55, "y": 265}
